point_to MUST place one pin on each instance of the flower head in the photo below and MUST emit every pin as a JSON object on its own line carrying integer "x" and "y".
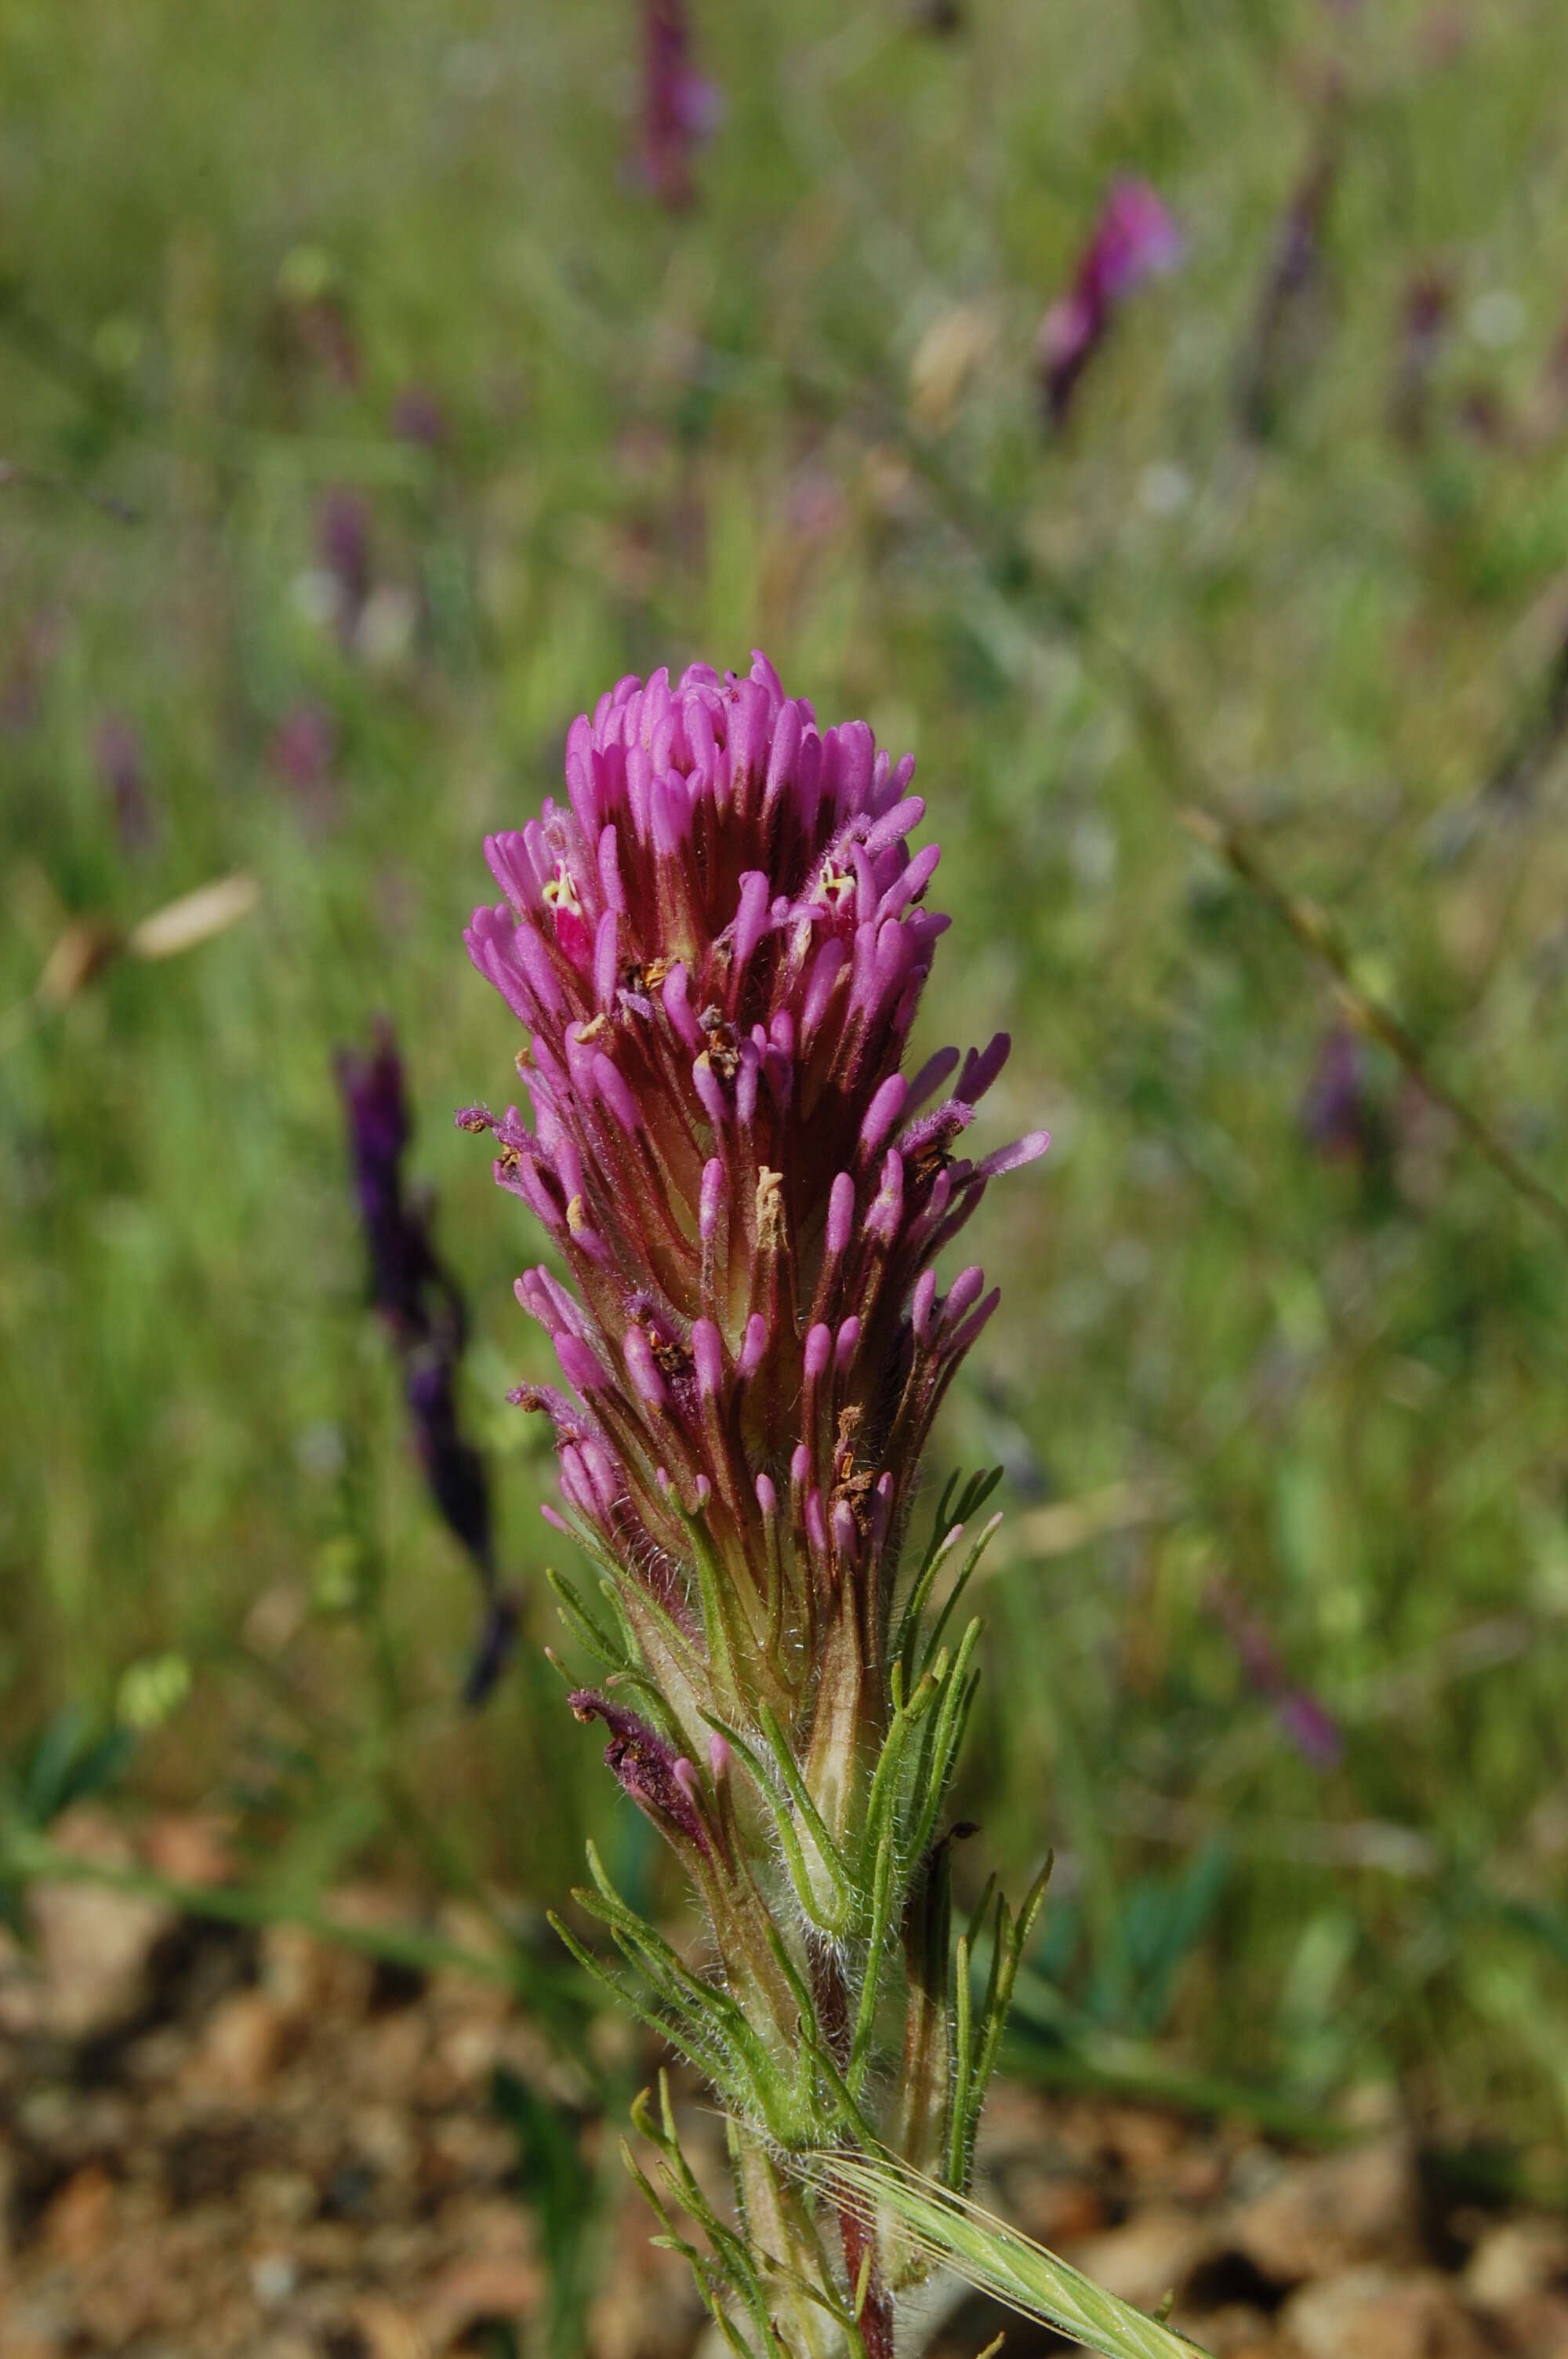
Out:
{"x": 717, "y": 945}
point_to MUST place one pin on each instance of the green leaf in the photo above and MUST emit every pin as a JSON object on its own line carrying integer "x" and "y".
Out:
{"x": 957, "y": 2234}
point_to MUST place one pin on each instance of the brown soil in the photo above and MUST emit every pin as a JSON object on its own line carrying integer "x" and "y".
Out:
{"x": 224, "y": 2143}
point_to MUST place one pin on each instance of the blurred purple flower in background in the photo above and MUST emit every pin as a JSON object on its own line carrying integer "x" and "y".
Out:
{"x": 425, "y": 1315}
{"x": 1290, "y": 323}
{"x": 680, "y": 106}
{"x": 419, "y": 417}
{"x": 303, "y": 754}
{"x": 1135, "y": 238}
{"x": 342, "y": 553}
{"x": 1423, "y": 330}
{"x": 1338, "y": 1116}
{"x": 21, "y": 686}
{"x": 1309, "y": 1724}
{"x": 311, "y": 321}
{"x": 453, "y": 1467}
{"x": 118, "y": 758}
{"x": 407, "y": 1285}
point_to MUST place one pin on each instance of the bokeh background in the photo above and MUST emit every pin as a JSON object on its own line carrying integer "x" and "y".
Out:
{"x": 370, "y": 403}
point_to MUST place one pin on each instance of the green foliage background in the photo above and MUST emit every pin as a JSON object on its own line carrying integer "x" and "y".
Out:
{"x": 1339, "y": 1388}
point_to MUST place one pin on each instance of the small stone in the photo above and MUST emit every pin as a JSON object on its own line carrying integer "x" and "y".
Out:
{"x": 248, "y": 2037}
{"x": 1153, "y": 2253}
{"x": 1535, "y": 2328}
{"x": 77, "y": 2223}
{"x": 274, "y": 2277}
{"x": 307, "y": 1978}
{"x": 1054, "y": 2211}
{"x": 191, "y": 1847}
{"x": 1380, "y": 2313}
{"x": 1315, "y": 2218}
{"x": 388, "y": 2331}
{"x": 1240, "y": 2331}
{"x": 93, "y": 1945}
{"x": 1519, "y": 2259}
{"x": 282, "y": 2199}
{"x": 385, "y": 2138}
{"x": 470, "y": 2292}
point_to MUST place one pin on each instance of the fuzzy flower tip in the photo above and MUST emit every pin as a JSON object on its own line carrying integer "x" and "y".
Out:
{"x": 717, "y": 945}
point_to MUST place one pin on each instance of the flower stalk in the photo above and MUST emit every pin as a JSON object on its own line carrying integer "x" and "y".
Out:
{"x": 717, "y": 947}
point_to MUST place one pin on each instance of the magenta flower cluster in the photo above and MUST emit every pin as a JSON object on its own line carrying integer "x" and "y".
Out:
{"x": 718, "y": 947}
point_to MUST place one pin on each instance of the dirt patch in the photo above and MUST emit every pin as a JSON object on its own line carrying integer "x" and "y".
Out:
{"x": 256, "y": 2144}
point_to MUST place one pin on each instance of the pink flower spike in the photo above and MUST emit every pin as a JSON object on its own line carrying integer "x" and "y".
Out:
{"x": 965, "y": 1289}
{"x": 718, "y": 1758}
{"x": 609, "y": 882}
{"x": 919, "y": 1307}
{"x": 767, "y": 1495}
{"x": 825, "y": 974}
{"x": 750, "y": 917}
{"x": 709, "y": 1090}
{"x": 818, "y": 1351}
{"x": 710, "y": 1202}
{"x": 844, "y": 1344}
{"x": 846, "y": 1533}
{"x": 579, "y": 1364}
{"x": 605, "y": 968}
{"x": 882, "y": 1112}
{"x": 958, "y": 1343}
{"x": 644, "y": 1370}
{"x": 708, "y": 1353}
{"x": 556, "y": 1520}
{"x": 1027, "y": 1149}
{"x": 981, "y": 1068}
{"x": 913, "y": 883}
{"x": 899, "y": 821}
{"x": 753, "y": 1345}
{"x": 677, "y": 1007}
{"x": 929, "y": 1079}
{"x": 840, "y": 1214}
{"x": 612, "y": 1087}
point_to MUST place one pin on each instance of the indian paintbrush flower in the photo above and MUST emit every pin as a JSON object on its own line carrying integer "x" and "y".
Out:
{"x": 717, "y": 947}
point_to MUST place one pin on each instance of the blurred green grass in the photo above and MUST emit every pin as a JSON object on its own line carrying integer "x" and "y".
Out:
{"x": 672, "y": 437}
